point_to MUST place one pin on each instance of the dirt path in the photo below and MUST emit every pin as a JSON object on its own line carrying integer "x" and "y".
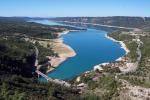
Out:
{"x": 132, "y": 67}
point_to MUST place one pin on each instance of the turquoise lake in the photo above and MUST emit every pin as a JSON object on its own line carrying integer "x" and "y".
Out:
{"x": 91, "y": 47}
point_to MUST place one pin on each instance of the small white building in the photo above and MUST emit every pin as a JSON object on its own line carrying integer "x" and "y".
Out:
{"x": 98, "y": 67}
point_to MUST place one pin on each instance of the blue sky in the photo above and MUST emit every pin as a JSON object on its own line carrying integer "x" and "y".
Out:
{"x": 61, "y": 8}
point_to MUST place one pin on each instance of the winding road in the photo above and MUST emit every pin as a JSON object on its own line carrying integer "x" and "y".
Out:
{"x": 57, "y": 81}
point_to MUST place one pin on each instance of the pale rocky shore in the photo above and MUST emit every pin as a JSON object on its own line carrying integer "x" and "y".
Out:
{"x": 64, "y": 52}
{"x": 98, "y": 67}
{"x": 124, "y": 63}
{"x": 123, "y": 46}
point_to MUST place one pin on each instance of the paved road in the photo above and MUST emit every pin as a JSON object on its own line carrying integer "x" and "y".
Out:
{"x": 36, "y": 56}
{"x": 60, "y": 82}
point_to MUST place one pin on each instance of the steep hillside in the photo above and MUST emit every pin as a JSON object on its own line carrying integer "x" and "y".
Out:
{"x": 132, "y": 22}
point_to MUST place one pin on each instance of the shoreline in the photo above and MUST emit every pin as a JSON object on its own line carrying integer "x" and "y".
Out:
{"x": 64, "y": 51}
{"x": 123, "y": 46}
{"x": 98, "y": 66}
{"x": 63, "y": 56}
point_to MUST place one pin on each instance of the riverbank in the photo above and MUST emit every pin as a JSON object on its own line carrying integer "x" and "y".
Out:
{"x": 63, "y": 50}
{"x": 60, "y": 58}
{"x": 66, "y": 32}
{"x": 123, "y": 46}
{"x": 124, "y": 63}
{"x": 99, "y": 66}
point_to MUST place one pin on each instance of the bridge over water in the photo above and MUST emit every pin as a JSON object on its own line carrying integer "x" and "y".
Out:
{"x": 57, "y": 81}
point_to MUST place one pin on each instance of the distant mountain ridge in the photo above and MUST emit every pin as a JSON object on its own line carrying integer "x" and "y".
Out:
{"x": 121, "y": 21}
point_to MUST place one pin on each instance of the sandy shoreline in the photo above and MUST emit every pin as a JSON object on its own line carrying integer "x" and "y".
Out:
{"x": 64, "y": 52}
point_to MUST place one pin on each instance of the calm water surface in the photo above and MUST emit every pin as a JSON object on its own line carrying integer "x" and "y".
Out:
{"x": 91, "y": 47}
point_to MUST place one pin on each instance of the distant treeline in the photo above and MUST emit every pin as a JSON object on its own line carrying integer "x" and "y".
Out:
{"x": 12, "y": 25}
{"x": 30, "y": 29}
{"x": 122, "y": 21}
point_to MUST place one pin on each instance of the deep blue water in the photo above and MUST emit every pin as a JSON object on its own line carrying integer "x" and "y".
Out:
{"x": 92, "y": 48}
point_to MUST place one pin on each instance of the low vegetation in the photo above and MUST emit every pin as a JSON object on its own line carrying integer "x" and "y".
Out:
{"x": 17, "y": 57}
{"x": 18, "y": 80}
{"x": 141, "y": 75}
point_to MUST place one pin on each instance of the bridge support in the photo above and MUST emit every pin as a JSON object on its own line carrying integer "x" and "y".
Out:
{"x": 38, "y": 75}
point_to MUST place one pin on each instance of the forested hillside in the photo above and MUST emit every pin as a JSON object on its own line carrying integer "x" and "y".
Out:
{"x": 132, "y": 22}
{"x": 18, "y": 80}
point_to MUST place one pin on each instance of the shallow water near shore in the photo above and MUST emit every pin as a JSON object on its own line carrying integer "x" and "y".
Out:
{"x": 91, "y": 47}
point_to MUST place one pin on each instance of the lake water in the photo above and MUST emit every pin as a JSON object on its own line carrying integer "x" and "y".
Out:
{"x": 91, "y": 47}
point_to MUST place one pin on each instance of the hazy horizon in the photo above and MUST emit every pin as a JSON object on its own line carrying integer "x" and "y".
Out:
{"x": 71, "y": 16}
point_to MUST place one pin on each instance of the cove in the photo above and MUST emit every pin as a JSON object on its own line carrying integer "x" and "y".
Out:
{"x": 91, "y": 47}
